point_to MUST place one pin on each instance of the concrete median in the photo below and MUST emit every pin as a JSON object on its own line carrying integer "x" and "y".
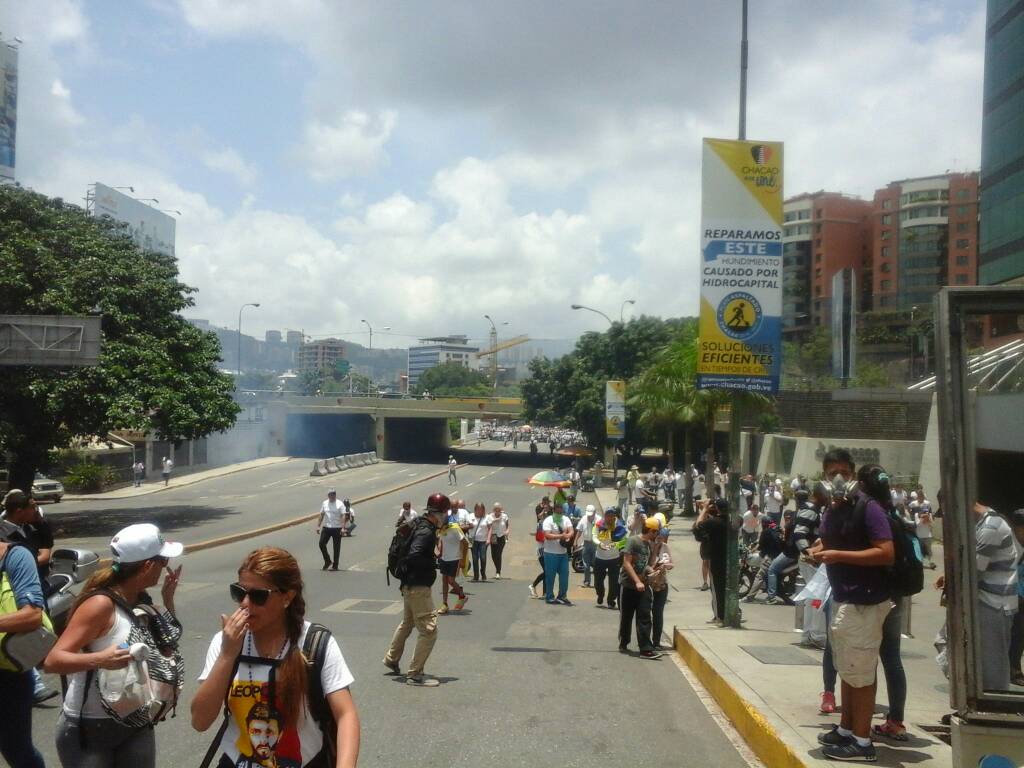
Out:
{"x": 319, "y": 469}
{"x": 339, "y": 462}
{"x": 374, "y": 458}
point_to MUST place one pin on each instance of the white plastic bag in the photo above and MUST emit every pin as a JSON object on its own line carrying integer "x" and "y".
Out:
{"x": 124, "y": 692}
{"x": 817, "y": 591}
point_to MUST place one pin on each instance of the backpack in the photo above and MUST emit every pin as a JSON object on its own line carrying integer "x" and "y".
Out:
{"x": 398, "y": 550}
{"x": 906, "y": 574}
{"x": 314, "y": 651}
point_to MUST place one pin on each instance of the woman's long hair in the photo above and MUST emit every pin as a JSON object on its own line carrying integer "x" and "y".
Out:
{"x": 278, "y": 567}
{"x": 107, "y": 578}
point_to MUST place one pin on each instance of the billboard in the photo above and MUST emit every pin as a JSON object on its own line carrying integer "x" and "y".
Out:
{"x": 741, "y": 266}
{"x": 615, "y": 409}
{"x": 152, "y": 230}
{"x": 8, "y": 108}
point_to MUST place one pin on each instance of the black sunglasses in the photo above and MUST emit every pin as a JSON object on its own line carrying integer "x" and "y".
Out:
{"x": 257, "y": 596}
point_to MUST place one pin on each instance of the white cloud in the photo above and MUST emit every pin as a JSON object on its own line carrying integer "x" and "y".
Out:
{"x": 350, "y": 144}
{"x": 228, "y": 161}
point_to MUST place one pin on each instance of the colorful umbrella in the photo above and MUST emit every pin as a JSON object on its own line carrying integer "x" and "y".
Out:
{"x": 549, "y": 478}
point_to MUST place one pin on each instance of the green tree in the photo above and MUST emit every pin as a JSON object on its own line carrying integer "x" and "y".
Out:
{"x": 453, "y": 380}
{"x": 809, "y": 365}
{"x": 871, "y": 375}
{"x": 156, "y": 371}
{"x": 310, "y": 381}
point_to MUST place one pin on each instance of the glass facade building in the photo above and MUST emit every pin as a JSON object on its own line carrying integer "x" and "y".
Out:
{"x": 1001, "y": 257}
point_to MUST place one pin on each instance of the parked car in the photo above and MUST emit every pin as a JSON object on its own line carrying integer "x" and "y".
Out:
{"x": 47, "y": 489}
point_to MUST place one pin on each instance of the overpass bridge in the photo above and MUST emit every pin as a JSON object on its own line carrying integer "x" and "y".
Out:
{"x": 396, "y": 428}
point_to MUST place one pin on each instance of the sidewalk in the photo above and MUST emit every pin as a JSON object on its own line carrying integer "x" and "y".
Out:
{"x": 177, "y": 480}
{"x": 768, "y": 686}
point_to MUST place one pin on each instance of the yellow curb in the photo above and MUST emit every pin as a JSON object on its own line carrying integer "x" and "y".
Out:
{"x": 759, "y": 734}
{"x": 232, "y": 538}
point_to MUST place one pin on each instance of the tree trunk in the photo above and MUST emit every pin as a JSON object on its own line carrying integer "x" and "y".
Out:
{"x": 709, "y": 463}
{"x": 687, "y": 476}
{"x": 25, "y": 460}
{"x": 671, "y": 452}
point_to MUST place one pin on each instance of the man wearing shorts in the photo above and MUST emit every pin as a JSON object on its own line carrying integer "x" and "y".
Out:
{"x": 856, "y": 550}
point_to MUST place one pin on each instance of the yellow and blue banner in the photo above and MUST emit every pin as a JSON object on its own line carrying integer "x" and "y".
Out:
{"x": 615, "y": 409}
{"x": 741, "y": 266}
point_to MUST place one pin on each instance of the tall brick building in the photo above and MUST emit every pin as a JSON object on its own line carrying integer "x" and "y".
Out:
{"x": 823, "y": 233}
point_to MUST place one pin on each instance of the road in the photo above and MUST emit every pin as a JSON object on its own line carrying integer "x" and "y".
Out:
{"x": 522, "y": 681}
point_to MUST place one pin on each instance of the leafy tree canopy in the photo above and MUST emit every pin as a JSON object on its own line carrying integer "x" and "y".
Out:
{"x": 453, "y": 380}
{"x": 156, "y": 372}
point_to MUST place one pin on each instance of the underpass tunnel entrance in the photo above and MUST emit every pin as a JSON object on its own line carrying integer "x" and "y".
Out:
{"x": 320, "y": 436}
{"x": 412, "y": 439}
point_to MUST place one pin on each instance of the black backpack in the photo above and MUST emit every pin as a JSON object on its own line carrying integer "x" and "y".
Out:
{"x": 398, "y": 549}
{"x": 314, "y": 650}
{"x": 906, "y": 574}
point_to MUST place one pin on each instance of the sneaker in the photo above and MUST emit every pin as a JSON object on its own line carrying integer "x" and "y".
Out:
{"x": 828, "y": 703}
{"x": 423, "y": 682}
{"x": 43, "y": 694}
{"x": 326, "y": 566}
{"x": 852, "y": 752}
{"x": 393, "y": 666}
{"x": 442, "y": 610}
{"x": 533, "y": 594}
{"x": 749, "y": 599}
{"x": 613, "y": 606}
{"x": 623, "y": 649}
{"x": 474, "y": 580}
{"x": 891, "y": 729}
{"x": 600, "y": 602}
{"x": 497, "y": 577}
{"x": 650, "y": 655}
{"x": 775, "y": 601}
{"x": 551, "y": 602}
{"x": 461, "y": 603}
{"x": 833, "y": 738}
{"x": 563, "y": 600}
{"x": 704, "y": 587}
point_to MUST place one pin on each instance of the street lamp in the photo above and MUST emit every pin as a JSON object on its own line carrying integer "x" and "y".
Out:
{"x": 494, "y": 354}
{"x": 240, "y": 335}
{"x": 623, "y": 307}
{"x": 596, "y": 311}
{"x": 910, "y": 339}
{"x": 385, "y": 328}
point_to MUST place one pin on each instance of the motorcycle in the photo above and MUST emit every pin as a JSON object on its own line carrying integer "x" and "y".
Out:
{"x": 68, "y": 567}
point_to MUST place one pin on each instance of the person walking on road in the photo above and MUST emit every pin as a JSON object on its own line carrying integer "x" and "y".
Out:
{"x": 418, "y": 572}
{"x": 95, "y": 641}
{"x": 608, "y": 535}
{"x": 637, "y": 595}
{"x": 348, "y": 518}
{"x": 22, "y": 578}
{"x": 166, "y": 468}
{"x": 584, "y": 534}
{"x": 452, "y": 466}
{"x": 453, "y": 544}
{"x": 661, "y": 562}
{"x": 328, "y": 528}
{"x": 278, "y": 710}
{"x": 480, "y": 540}
{"x": 139, "y": 470}
{"x": 500, "y": 529}
{"x": 632, "y": 475}
{"x": 558, "y": 535}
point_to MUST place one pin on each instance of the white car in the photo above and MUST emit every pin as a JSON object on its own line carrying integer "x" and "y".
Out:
{"x": 47, "y": 489}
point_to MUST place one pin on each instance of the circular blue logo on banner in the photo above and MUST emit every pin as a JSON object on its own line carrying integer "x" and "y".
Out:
{"x": 739, "y": 315}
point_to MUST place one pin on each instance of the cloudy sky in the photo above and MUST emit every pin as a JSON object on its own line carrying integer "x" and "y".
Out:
{"x": 418, "y": 164}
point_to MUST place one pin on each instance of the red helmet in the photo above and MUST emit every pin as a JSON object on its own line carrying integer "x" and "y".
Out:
{"x": 439, "y": 504}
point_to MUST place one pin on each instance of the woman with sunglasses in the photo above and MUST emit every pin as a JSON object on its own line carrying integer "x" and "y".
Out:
{"x": 87, "y": 737}
{"x": 255, "y": 674}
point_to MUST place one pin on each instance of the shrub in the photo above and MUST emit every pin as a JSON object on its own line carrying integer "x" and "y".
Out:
{"x": 87, "y": 476}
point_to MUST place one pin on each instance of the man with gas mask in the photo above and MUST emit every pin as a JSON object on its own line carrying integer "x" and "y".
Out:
{"x": 856, "y": 547}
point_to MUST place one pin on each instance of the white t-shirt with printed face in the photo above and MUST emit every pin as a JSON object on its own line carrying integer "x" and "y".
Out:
{"x": 479, "y": 527}
{"x": 451, "y": 548}
{"x": 331, "y": 510}
{"x": 499, "y": 523}
{"x": 260, "y": 740}
{"x": 554, "y": 546}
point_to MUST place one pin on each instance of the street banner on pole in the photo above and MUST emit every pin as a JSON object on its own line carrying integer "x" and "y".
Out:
{"x": 741, "y": 266}
{"x": 615, "y": 409}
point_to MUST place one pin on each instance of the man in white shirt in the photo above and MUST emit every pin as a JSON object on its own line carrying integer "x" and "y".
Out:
{"x": 773, "y": 500}
{"x": 452, "y": 464}
{"x": 406, "y": 514}
{"x": 584, "y": 532}
{"x": 751, "y": 527}
{"x": 328, "y": 528}
{"x": 500, "y": 529}
{"x": 558, "y": 534}
{"x": 165, "y": 471}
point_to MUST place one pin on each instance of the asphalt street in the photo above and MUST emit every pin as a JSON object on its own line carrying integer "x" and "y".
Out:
{"x": 523, "y": 683}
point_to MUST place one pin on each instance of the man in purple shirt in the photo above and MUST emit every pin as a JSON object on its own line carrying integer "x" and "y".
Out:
{"x": 856, "y": 547}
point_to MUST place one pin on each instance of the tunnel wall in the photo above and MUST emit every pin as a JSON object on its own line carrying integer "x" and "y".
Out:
{"x": 321, "y": 436}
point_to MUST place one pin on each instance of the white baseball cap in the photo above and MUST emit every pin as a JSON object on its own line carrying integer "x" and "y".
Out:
{"x": 591, "y": 509}
{"x": 140, "y": 542}
{"x": 913, "y": 494}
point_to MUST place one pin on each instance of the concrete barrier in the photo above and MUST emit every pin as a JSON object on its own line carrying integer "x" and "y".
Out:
{"x": 373, "y": 458}
{"x": 361, "y": 458}
{"x": 350, "y": 461}
{"x": 330, "y": 466}
{"x": 339, "y": 462}
{"x": 319, "y": 469}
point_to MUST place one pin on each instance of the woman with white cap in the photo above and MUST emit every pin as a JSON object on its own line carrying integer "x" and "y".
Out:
{"x": 95, "y": 640}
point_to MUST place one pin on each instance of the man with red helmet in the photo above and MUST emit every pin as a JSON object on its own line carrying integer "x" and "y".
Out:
{"x": 417, "y": 571}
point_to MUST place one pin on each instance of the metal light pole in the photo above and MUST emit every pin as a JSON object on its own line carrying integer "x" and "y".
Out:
{"x": 240, "y": 335}
{"x": 595, "y": 311}
{"x": 732, "y": 548}
{"x": 623, "y": 308}
{"x": 910, "y": 339}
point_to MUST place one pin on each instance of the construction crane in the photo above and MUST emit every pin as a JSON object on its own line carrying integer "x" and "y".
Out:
{"x": 495, "y": 348}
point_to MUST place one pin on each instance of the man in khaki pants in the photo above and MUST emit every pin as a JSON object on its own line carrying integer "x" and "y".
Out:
{"x": 417, "y": 571}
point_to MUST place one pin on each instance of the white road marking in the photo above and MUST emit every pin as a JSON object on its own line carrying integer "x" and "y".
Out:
{"x": 388, "y": 607}
{"x": 717, "y": 715}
